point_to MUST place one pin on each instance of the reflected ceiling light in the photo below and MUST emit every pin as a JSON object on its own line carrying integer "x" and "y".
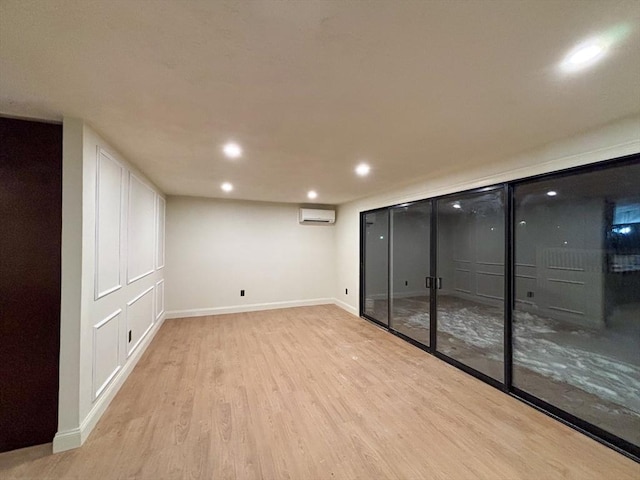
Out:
{"x": 226, "y": 186}
{"x": 622, "y": 230}
{"x": 457, "y": 205}
{"x": 312, "y": 194}
{"x": 552, "y": 193}
{"x": 363, "y": 169}
{"x": 232, "y": 150}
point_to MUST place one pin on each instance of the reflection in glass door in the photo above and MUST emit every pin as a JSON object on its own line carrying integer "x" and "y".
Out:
{"x": 375, "y": 296}
{"x": 470, "y": 287}
{"x": 576, "y": 322}
{"x": 410, "y": 266}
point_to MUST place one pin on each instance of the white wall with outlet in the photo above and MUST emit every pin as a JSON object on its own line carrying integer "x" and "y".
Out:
{"x": 611, "y": 141}
{"x": 216, "y": 248}
{"x": 112, "y": 289}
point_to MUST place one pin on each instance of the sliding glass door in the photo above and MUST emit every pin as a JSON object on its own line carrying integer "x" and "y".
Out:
{"x": 470, "y": 280}
{"x": 532, "y": 286}
{"x": 576, "y": 322}
{"x": 375, "y": 244}
{"x": 410, "y": 268}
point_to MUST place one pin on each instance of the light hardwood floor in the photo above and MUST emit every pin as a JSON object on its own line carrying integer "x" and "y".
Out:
{"x": 313, "y": 393}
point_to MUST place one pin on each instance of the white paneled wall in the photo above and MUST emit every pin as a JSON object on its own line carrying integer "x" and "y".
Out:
{"x": 141, "y": 229}
{"x": 106, "y": 357}
{"x": 122, "y": 282}
{"x": 159, "y": 299}
{"x": 109, "y": 189}
{"x": 129, "y": 226}
{"x": 140, "y": 318}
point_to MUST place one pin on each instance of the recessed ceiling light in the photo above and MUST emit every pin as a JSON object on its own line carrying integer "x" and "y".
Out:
{"x": 363, "y": 169}
{"x": 457, "y": 205}
{"x": 232, "y": 150}
{"x": 312, "y": 194}
{"x": 552, "y": 193}
{"x": 226, "y": 186}
{"x": 595, "y": 48}
{"x": 584, "y": 55}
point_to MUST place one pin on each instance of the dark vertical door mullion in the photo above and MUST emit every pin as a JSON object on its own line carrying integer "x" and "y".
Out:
{"x": 509, "y": 272}
{"x": 433, "y": 321}
{"x": 389, "y": 268}
{"x": 362, "y": 272}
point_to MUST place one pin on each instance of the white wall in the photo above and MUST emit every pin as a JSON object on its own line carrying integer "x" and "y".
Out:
{"x": 215, "y": 248}
{"x": 112, "y": 277}
{"x": 611, "y": 141}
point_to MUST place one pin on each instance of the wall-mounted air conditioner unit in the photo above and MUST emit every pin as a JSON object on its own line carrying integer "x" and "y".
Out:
{"x": 310, "y": 215}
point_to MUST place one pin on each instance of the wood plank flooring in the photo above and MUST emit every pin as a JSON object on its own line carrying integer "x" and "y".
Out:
{"x": 313, "y": 393}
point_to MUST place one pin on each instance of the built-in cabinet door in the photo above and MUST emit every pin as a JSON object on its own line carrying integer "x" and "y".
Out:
{"x": 410, "y": 269}
{"x": 469, "y": 280}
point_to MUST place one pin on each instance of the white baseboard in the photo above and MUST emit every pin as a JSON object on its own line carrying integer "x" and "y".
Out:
{"x": 202, "y": 312}
{"x": 74, "y": 438}
{"x": 346, "y": 306}
{"x": 67, "y": 440}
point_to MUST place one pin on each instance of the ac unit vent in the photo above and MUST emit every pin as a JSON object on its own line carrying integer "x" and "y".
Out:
{"x": 309, "y": 215}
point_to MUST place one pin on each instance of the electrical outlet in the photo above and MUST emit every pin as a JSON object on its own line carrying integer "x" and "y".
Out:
{"x": 242, "y": 293}
{"x": 346, "y": 291}
{"x": 129, "y": 336}
{"x": 529, "y": 294}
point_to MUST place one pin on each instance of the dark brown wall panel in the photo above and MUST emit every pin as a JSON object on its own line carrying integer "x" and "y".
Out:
{"x": 30, "y": 241}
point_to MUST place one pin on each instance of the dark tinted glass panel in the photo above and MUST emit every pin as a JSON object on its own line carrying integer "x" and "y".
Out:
{"x": 410, "y": 240}
{"x": 376, "y": 265}
{"x": 470, "y": 318}
{"x": 577, "y": 296}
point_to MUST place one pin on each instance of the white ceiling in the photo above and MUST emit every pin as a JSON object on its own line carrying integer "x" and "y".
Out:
{"x": 311, "y": 88}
